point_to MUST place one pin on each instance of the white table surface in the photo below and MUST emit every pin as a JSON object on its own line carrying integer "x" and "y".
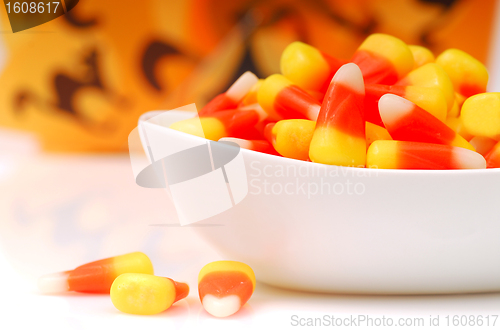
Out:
{"x": 59, "y": 211}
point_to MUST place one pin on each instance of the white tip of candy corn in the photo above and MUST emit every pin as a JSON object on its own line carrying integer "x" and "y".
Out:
{"x": 468, "y": 159}
{"x": 53, "y": 283}
{"x": 393, "y": 107}
{"x": 221, "y": 307}
{"x": 350, "y": 76}
{"x": 245, "y": 144}
{"x": 241, "y": 86}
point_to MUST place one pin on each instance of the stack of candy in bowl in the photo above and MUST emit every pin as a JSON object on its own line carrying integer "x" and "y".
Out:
{"x": 391, "y": 106}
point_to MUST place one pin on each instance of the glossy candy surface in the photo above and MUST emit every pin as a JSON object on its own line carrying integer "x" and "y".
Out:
{"x": 483, "y": 145}
{"x": 308, "y": 67}
{"x": 225, "y": 286}
{"x": 431, "y": 75}
{"x": 457, "y": 125}
{"x": 481, "y": 115}
{"x": 231, "y": 98}
{"x": 493, "y": 157}
{"x": 407, "y": 122}
{"x": 468, "y": 75}
{"x": 421, "y": 55}
{"x": 145, "y": 294}
{"x": 281, "y": 99}
{"x": 339, "y": 136}
{"x": 430, "y": 99}
{"x": 219, "y": 124}
{"x": 291, "y": 138}
{"x": 97, "y": 276}
{"x": 374, "y": 133}
{"x": 251, "y": 97}
{"x": 383, "y": 59}
{"x": 417, "y": 155}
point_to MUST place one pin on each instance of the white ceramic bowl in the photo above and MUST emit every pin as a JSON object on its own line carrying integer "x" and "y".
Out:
{"x": 386, "y": 232}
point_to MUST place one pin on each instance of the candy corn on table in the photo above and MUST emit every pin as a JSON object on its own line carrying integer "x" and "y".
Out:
{"x": 103, "y": 213}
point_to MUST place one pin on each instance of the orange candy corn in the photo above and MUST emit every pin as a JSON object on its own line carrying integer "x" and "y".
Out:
{"x": 231, "y": 98}
{"x": 218, "y": 124}
{"x": 417, "y": 155}
{"x": 291, "y": 138}
{"x": 308, "y": 67}
{"x": 339, "y": 137}
{"x": 383, "y": 59}
{"x": 421, "y": 55}
{"x": 97, "y": 276}
{"x": 431, "y": 75}
{"x": 483, "y": 145}
{"x": 493, "y": 157}
{"x": 468, "y": 75}
{"x": 430, "y": 99}
{"x": 407, "y": 122}
{"x": 145, "y": 294}
{"x": 481, "y": 115}
{"x": 281, "y": 99}
{"x": 225, "y": 286}
{"x": 255, "y": 145}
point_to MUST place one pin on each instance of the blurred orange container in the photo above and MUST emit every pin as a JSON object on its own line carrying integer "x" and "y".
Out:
{"x": 81, "y": 81}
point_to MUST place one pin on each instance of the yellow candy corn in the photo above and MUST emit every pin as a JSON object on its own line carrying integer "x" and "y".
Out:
{"x": 481, "y": 115}
{"x": 421, "y": 55}
{"x": 468, "y": 75}
{"x": 291, "y": 138}
{"x": 431, "y": 75}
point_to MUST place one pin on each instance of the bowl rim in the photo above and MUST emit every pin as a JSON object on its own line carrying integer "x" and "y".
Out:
{"x": 145, "y": 117}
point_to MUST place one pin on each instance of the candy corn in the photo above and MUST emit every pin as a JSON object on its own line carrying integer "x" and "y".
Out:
{"x": 430, "y": 99}
{"x": 225, "y": 286}
{"x": 283, "y": 100}
{"x": 251, "y": 97}
{"x": 481, "y": 115}
{"x": 407, "y": 122}
{"x": 417, "y": 155}
{"x": 308, "y": 67}
{"x": 323, "y": 110}
{"x": 231, "y": 98}
{"x": 468, "y": 75}
{"x": 291, "y": 138}
{"x": 455, "y": 110}
{"x": 493, "y": 157}
{"x": 217, "y": 125}
{"x": 456, "y": 125}
{"x": 383, "y": 59}
{"x": 146, "y": 294}
{"x": 255, "y": 145}
{"x": 421, "y": 55}
{"x": 431, "y": 75}
{"x": 483, "y": 145}
{"x": 374, "y": 133}
{"x": 97, "y": 276}
{"x": 339, "y": 137}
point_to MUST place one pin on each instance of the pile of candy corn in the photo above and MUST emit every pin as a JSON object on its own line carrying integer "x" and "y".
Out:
{"x": 391, "y": 106}
{"x": 223, "y": 286}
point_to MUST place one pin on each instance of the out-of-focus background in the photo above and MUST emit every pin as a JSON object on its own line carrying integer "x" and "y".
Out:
{"x": 81, "y": 81}
{"x": 76, "y": 86}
